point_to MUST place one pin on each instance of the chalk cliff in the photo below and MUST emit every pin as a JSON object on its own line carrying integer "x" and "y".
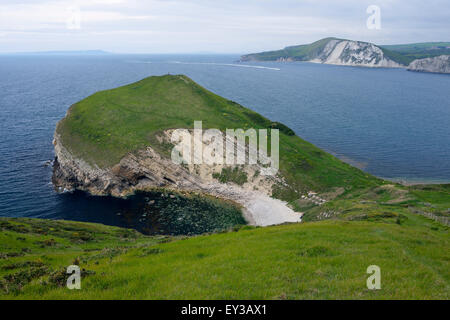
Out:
{"x": 331, "y": 51}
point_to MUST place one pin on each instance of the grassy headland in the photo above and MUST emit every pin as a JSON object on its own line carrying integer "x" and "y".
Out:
{"x": 403, "y": 54}
{"x": 108, "y": 125}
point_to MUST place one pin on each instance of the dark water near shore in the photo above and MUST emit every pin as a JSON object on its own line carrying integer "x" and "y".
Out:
{"x": 157, "y": 212}
{"x": 391, "y": 123}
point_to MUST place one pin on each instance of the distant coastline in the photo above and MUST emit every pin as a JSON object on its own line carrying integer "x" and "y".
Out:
{"x": 426, "y": 57}
{"x": 69, "y": 53}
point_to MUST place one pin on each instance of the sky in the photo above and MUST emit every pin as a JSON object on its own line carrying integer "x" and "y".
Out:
{"x": 212, "y": 26}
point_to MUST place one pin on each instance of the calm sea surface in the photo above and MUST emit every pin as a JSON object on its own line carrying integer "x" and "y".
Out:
{"x": 392, "y": 123}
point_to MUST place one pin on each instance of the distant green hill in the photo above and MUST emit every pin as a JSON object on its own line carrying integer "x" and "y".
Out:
{"x": 401, "y": 54}
{"x": 410, "y": 52}
{"x": 303, "y": 52}
{"x": 65, "y": 53}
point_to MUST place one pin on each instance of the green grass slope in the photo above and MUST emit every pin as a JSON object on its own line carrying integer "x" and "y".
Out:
{"x": 311, "y": 51}
{"x": 303, "y": 52}
{"x": 319, "y": 260}
{"x": 403, "y": 54}
{"x": 108, "y": 125}
{"x": 410, "y": 52}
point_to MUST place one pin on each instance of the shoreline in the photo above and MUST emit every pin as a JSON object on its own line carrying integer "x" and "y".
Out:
{"x": 415, "y": 182}
{"x": 401, "y": 180}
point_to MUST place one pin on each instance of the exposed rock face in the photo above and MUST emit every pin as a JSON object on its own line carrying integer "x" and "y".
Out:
{"x": 440, "y": 64}
{"x": 285, "y": 59}
{"x": 147, "y": 169}
{"x": 354, "y": 53}
{"x": 330, "y": 51}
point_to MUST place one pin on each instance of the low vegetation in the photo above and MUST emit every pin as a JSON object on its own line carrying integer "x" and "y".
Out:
{"x": 229, "y": 174}
{"x": 406, "y": 53}
{"x": 314, "y": 260}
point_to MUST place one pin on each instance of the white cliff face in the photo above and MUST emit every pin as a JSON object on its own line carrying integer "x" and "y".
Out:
{"x": 331, "y": 51}
{"x": 354, "y": 53}
{"x": 440, "y": 64}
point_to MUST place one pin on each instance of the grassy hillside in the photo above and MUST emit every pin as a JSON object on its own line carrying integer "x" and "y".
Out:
{"x": 303, "y": 52}
{"x": 109, "y": 124}
{"x": 403, "y": 54}
{"x": 311, "y": 51}
{"x": 320, "y": 260}
{"x": 409, "y": 52}
{"x": 384, "y": 201}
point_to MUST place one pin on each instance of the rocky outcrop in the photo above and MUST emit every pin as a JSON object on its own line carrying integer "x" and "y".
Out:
{"x": 354, "y": 53}
{"x": 144, "y": 170}
{"x": 147, "y": 170}
{"x": 282, "y": 59}
{"x": 440, "y": 64}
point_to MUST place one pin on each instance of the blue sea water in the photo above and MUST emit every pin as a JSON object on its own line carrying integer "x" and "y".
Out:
{"x": 389, "y": 122}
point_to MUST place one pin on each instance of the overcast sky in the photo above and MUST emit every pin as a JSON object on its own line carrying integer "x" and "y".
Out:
{"x": 221, "y": 26}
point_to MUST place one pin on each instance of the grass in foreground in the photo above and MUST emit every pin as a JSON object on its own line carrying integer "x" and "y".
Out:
{"x": 317, "y": 260}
